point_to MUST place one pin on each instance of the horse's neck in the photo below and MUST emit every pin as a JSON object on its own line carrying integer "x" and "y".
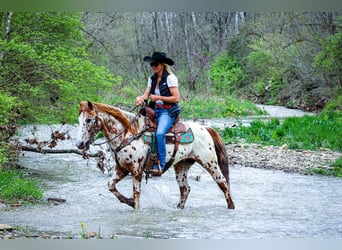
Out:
{"x": 135, "y": 118}
{"x": 112, "y": 128}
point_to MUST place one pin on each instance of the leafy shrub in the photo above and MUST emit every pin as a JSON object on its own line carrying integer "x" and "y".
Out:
{"x": 49, "y": 69}
{"x": 226, "y": 75}
{"x": 7, "y": 108}
{"x": 334, "y": 105}
{"x": 330, "y": 57}
{"x": 8, "y": 124}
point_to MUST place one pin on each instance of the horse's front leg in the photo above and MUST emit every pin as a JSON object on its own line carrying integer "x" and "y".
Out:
{"x": 120, "y": 173}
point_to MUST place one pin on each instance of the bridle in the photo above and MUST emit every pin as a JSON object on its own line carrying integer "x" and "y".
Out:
{"x": 95, "y": 128}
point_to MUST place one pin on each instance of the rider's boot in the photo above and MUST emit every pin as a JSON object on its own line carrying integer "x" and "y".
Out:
{"x": 156, "y": 170}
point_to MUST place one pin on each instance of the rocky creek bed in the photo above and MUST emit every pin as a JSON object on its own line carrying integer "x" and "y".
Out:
{"x": 245, "y": 155}
{"x": 281, "y": 158}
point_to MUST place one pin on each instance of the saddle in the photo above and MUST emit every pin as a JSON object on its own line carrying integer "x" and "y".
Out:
{"x": 179, "y": 133}
{"x": 151, "y": 123}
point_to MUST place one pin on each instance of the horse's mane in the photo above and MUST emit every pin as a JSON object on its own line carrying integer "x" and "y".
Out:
{"x": 124, "y": 117}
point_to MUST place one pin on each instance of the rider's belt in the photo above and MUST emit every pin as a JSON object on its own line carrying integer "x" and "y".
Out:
{"x": 163, "y": 106}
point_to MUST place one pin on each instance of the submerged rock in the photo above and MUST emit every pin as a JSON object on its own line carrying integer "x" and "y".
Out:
{"x": 4, "y": 227}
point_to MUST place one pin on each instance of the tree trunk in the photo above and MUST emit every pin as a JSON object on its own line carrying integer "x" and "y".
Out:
{"x": 155, "y": 25}
{"x": 188, "y": 52}
{"x": 168, "y": 24}
{"x": 6, "y": 35}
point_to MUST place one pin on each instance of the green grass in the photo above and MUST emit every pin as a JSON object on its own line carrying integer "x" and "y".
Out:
{"x": 308, "y": 132}
{"x": 335, "y": 171}
{"x": 337, "y": 165}
{"x": 14, "y": 187}
{"x": 206, "y": 107}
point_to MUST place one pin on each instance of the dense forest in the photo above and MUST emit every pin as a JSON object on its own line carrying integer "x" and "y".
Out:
{"x": 51, "y": 61}
{"x": 292, "y": 59}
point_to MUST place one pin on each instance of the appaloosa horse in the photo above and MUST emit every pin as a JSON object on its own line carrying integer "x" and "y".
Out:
{"x": 123, "y": 131}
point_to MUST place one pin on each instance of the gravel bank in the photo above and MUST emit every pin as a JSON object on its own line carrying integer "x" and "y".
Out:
{"x": 10, "y": 232}
{"x": 280, "y": 158}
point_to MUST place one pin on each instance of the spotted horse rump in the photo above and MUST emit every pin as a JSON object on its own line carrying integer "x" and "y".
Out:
{"x": 126, "y": 134}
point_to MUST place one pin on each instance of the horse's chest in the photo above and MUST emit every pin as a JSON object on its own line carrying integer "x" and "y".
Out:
{"x": 132, "y": 155}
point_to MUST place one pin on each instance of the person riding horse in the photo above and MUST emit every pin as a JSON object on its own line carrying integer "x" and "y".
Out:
{"x": 162, "y": 91}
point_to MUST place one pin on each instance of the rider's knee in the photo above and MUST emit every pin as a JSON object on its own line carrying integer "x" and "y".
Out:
{"x": 160, "y": 134}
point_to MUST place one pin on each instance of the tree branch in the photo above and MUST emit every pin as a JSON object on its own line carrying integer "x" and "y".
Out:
{"x": 58, "y": 151}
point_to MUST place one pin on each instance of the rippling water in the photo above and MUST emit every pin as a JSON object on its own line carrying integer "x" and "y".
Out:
{"x": 269, "y": 204}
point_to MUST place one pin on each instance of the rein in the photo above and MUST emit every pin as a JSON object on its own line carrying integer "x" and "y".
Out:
{"x": 128, "y": 141}
{"x": 110, "y": 140}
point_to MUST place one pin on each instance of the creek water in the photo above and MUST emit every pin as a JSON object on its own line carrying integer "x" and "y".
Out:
{"x": 269, "y": 204}
{"x": 272, "y": 111}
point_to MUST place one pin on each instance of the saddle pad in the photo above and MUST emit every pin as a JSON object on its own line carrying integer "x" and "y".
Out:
{"x": 186, "y": 137}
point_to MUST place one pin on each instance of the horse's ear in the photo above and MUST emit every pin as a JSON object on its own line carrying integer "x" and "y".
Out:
{"x": 90, "y": 105}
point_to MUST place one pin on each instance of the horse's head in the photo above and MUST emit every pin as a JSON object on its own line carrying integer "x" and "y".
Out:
{"x": 89, "y": 125}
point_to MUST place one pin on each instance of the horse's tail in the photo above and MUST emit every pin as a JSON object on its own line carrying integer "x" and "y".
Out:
{"x": 221, "y": 152}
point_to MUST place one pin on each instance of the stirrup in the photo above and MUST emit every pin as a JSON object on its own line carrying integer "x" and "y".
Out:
{"x": 156, "y": 172}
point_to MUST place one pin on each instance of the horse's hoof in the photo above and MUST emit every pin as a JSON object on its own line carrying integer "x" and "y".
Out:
{"x": 180, "y": 206}
{"x": 231, "y": 206}
{"x": 130, "y": 202}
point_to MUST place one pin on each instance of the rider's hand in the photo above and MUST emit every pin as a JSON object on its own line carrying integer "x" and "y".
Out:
{"x": 154, "y": 98}
{"x": 139, "y": 101}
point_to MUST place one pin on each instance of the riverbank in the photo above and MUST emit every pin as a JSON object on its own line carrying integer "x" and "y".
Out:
{"x": 10, "y": 232}
{"x": 281, "y": 158}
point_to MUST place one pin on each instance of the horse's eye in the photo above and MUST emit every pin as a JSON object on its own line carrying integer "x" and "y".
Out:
{"x": 88, "y": 120}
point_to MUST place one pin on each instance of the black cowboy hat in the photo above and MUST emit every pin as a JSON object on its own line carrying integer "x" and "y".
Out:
{"x": 158, "y": 57}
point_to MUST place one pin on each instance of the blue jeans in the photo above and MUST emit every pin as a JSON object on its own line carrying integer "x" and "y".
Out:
{"x": 165, "y": 122}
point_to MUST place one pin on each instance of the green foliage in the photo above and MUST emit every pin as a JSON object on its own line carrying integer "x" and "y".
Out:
{"x": 329, "y": 59}
{"x": 259, "y": 59}
{"x": 47, "y": 67}
{"x": 259, "y": 131}
{"x": 226, "y": 75}
{"x": 83, "y": 231}
{"x": 4, "y": 151}
{"x": 124, "y": 96}
{"x": 337, "y": 165}
{"x": 335, "y": 171}
{"x": 324, "y": 131}
{"x": 265, "y": 67}
{"x": 13, "y": 187}
{"x": 334, "y": 105}
{"x": 8, "y": 124}
{"x": 235, "y": 107}
{"x": 308, "y": 132}
{"x": 7, "y": 108}
{"x": 202, "y": 107}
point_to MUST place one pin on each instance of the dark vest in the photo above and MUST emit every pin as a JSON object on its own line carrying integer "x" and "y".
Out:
{"x": 163, "y": 88}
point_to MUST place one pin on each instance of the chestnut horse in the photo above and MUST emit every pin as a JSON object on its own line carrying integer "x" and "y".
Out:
{"x": 123, "y": 132}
